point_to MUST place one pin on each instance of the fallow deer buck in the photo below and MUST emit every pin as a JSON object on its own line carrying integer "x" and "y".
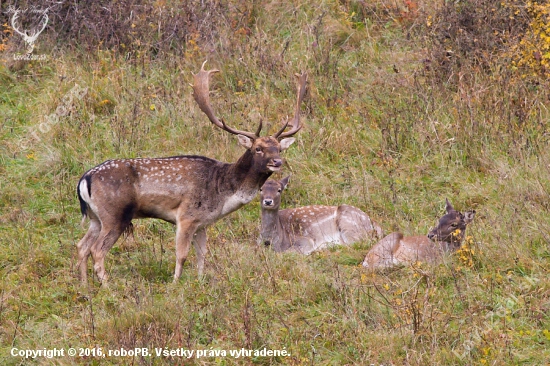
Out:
{"x": 396, "y": 249}
{"x": 310, "y": 228}
{"x": 189, "y": 191}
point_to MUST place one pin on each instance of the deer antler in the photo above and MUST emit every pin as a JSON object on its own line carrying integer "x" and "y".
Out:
{"x": 302, "y": 80}
{"x": 201, "y": 89}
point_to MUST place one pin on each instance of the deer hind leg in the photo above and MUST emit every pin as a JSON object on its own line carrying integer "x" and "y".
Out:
{"x": 354, "y": 225}
{"x": 383, "y": 253}
{"x": 200, "y": 248}
{"x": 185, "y": 231}
{"x": 107, "y": 238}
{"x": 304, "y": 245}
{"x": 84, "y": 246}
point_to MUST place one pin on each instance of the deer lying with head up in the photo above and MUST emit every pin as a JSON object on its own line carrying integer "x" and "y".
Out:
{"x": 310, "y": 228}
{"x": 189, "y": 191}
{"x": 396, "y": 249}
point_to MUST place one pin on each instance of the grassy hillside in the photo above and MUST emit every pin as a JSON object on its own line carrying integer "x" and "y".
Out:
{"x": 401, "y": 113}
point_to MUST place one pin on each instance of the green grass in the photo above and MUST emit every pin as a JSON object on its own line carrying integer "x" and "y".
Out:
{"x": 394, "y": 144}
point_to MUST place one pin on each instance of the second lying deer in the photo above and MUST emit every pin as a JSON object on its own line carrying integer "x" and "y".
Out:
{"x": 310, "y": 228}
{"x": 396, "y": 249}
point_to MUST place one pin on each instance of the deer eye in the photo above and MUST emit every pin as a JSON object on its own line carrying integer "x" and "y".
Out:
{"x": 279, "y": 190}
{"x": 258, "y": 149}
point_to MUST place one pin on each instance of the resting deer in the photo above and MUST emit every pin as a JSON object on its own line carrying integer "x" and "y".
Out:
{"x": 396, "y": 249}
{"x": 310, "y": 228}
{"x": 189, "y": 191}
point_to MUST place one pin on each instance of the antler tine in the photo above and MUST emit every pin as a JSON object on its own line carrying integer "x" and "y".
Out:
{"x": 201, "y": 88}
{"x": 302, "y": 81}
{"x": 259, "y": 128}
{"x": 282, "y": 128}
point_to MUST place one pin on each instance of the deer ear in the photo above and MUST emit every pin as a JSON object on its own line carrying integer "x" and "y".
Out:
{"x": 449, "y": 208}
{"x": 469, "y": 216}
{"x": 285, "y": 181}
{"x": 285, "y": 143}
{"x": 245, "y": 141}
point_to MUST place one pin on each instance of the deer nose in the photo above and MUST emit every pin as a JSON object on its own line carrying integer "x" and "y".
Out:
{"x": 431, "y": 235}
{"x": 277, "y": 162}
{"x": 268, "y": 202}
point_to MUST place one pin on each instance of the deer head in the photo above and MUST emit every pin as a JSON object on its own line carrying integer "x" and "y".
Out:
{"x": 264, "y": 150}
{"x": 270, "y": 193}
{"x": 451, "y": 226}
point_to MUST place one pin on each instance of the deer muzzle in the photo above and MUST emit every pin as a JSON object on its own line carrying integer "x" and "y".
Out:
{"x": 275, "y": 165}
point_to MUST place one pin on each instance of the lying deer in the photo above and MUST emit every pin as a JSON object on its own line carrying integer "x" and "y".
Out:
{"x": 189, "y": 191}
{"x": 396, "y": 249}
{"x": 310, "y": 228}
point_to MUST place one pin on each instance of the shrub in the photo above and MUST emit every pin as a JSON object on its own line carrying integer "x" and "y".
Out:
{"x": 473, "y": 33}
{"x": 532, "y": 54}
{"x": 136, "y": 26}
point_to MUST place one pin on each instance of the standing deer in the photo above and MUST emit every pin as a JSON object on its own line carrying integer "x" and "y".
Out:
{"x": 310, "y": 228}
{"x": 396, "y": 249}
{"x": 189, "y": 191}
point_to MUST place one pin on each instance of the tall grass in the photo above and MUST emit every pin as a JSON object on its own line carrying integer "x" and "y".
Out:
{"x": 384, "y": 131}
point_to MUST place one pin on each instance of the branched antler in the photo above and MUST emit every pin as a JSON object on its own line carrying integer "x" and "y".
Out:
{"x": 201, "y": 88}
{"x": 302, "y": 81}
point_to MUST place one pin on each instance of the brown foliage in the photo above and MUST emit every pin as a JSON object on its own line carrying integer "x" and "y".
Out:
{"x": 473, "y": 33}
{"x": 130, "y": 26}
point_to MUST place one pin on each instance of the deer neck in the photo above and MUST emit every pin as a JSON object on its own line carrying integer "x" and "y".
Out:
{"x": 272, "y": 232}
{"x": 240, "y": 183}
{"x": 246, "y": 175}
{"x": 449, "y": 246}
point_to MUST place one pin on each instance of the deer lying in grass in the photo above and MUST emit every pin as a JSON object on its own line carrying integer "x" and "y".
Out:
{"x": 189, "y": 191}
{"x": 310, "y": 228}
{"x": 396, "y": 249}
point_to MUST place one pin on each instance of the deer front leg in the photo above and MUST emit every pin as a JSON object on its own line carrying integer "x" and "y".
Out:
{"x": 185, "y": 231}
{"x": 304, "y": 245}
{"x": 200, "y": 249}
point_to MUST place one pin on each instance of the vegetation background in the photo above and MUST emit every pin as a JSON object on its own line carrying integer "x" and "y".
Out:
{"x": 410, "y": 102}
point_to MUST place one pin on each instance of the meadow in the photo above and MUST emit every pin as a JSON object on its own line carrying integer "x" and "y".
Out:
{"x": 408, "y": 103}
